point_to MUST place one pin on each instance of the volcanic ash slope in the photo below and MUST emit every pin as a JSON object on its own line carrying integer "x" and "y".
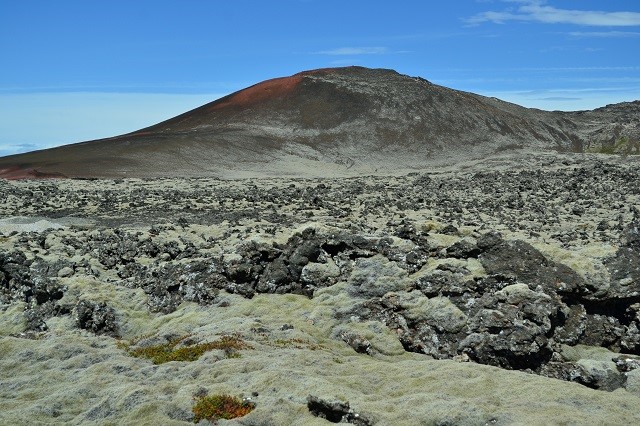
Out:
{"x": 348, "y": 122}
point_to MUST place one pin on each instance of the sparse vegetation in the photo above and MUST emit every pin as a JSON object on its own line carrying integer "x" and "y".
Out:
{"x": 623, "y": 146}
{"x": 179, "y": 348}
{"x": 602, "y": 149}
{"x": 217, "y": 407}
{"x": 297, "y": 344}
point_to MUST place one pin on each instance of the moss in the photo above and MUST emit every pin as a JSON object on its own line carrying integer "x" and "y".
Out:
{"x": 170, "y": 351}
{"x": 608, "y": 149}
{"x": 623, "y": 146}
{"x": 297, "y": 344}
{"x": 217, "y": 407}
{"x": 31, "y": 335}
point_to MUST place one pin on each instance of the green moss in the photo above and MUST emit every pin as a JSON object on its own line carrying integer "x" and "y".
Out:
{"x": 605, "y": 149}
{"x": 297, "y": 344}
{"x": 170, "y": 351}
{"x": 623, "y": 146}
{"x": 217, "y": 407}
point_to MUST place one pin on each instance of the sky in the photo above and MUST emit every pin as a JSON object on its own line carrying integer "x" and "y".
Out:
{"x": 75, "y": 70}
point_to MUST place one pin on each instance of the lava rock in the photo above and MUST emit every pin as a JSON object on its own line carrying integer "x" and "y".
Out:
{"x": 359, "y": 343}
{"x": 96, "y": 317}
{"x": 335, "y": 412}
{"x": 522, "y": 262}
{"x": 464, "y": 249}
{"x": 601, "y": 375}
{"x": 65, "y": 272}
{"x": 376, "y": 276}
{"x": 197, "y": 281}
{"x": 510, "y": 328}
{"x": 624, "y": 266}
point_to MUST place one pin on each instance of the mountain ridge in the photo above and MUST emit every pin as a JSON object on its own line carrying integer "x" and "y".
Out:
{"x": 334, "y": 121}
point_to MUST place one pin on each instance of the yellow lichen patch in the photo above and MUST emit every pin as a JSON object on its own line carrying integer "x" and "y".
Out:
{"x": 217, "y": 407}
{"x": 178, "y": 349}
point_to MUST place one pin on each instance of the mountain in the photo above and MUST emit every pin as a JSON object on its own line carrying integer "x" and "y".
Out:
{"x": 334, "y": 121}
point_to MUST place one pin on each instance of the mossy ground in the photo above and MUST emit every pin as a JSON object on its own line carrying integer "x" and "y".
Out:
{"x": 70, "y": 376}
{"x": 297, "y": 344}
{"x": 623, "y": 146}
{"x": 179, "y": 349}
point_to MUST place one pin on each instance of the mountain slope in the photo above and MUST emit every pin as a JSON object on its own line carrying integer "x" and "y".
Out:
{"x": 337, "y": 121}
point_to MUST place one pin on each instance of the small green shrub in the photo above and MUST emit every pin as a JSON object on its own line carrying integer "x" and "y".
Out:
{"x": 169, "y": 351}
{"x": 217, "y": 407}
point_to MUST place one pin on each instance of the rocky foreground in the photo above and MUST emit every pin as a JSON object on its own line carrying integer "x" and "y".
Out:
{"x": 502, "y": 292}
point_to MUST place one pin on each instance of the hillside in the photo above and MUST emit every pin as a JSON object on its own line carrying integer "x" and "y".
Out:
{"x": 332, "y": 122}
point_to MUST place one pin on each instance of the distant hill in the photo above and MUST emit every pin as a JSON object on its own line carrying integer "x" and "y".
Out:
{"x": 334, "y": 121}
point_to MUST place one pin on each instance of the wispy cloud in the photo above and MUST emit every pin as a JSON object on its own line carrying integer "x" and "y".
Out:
{"x": 539, "y": 11}
{"x": 559, "y": 98}
{"x": 605, "y": 34}
{"x": 344, "y": 51}
{"x": 344, "y": 62}
{"x": 568, "y": 99}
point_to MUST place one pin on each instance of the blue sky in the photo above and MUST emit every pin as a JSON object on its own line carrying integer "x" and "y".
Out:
{"x": 76, "y": 70}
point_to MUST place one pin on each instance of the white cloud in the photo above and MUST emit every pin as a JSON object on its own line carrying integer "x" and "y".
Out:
{"x": 344, "y": 62}
{"x": 538, "y": 11}
{"x": 342, "y": 51}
